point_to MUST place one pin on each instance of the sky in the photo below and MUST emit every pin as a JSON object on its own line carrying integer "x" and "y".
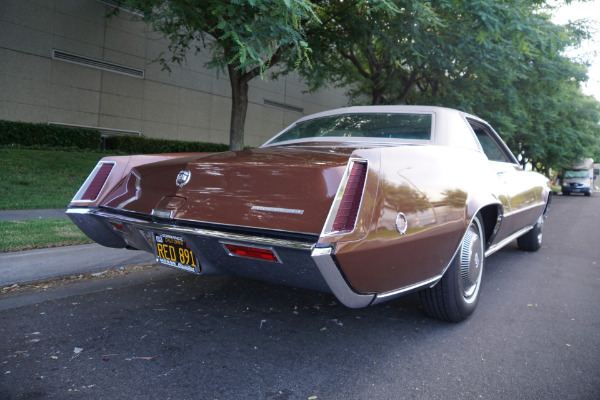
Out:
{"x": 590, "y": 50}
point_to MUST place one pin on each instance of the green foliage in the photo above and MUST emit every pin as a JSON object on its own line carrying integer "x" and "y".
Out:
{"x": 500, "y": 60}
{"x": 243, "y": 37}
{"x": 141, "y": 145}
{"x": 35, "y": 234}
{"x": 242, "y": 33}
{"x": 44, "y": 135}
{"x": 42, "y": 179}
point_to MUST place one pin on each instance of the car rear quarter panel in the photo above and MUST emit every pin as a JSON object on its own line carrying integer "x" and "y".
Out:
{"x": 435, "y": 187}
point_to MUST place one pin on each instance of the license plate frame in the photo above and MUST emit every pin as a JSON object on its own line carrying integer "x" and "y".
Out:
{"x": 173, "y": 251}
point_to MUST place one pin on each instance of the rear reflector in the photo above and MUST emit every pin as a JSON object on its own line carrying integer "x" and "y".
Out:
{"x": 119, "y": 227}
{"x": 255, "y": 253}
{"x": 95, "y": 182}
{"x": 347, "y": 211}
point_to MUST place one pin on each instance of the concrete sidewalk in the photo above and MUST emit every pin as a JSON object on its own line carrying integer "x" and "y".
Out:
{"x": 38, "y": 264}
{"x": 34, "y": 265}
{"x": 19, "y": 215}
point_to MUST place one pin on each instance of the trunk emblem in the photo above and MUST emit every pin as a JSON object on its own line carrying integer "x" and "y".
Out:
{"x": 278, "y": 210}
{"x": 183, "y": 177}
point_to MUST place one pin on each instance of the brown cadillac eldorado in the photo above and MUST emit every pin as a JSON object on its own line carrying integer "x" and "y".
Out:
{"x": 368, "y": 203}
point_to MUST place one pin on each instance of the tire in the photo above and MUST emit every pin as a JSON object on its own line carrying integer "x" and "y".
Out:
{"x": 532, "y": 240}
{"x": 455, "y": 296}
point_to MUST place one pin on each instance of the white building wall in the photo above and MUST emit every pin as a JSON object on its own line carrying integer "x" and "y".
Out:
{"x": 191, "y": 103}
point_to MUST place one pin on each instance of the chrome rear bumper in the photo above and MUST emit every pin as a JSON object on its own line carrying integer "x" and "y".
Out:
{"x": 302, "y": 262}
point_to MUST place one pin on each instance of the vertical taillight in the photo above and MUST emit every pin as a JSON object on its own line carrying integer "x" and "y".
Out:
{"x": 92, "y": 186}
{"x": 344, "y": 212}
{"x": 345, "y": 218}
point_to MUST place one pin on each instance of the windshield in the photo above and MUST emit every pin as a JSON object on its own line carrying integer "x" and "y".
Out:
{"x": 571, "y": 173}
{"x": 367, "y": 125}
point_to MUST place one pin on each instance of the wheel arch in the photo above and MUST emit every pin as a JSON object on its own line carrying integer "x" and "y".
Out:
{"x": 491, "y": 216}
{"x": 491, "y": 212}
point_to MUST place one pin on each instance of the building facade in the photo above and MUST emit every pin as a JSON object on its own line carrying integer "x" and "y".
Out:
{"x": 64, "y": 62}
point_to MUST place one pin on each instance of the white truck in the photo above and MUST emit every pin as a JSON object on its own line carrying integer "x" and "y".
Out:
{"x": 579, "y": 178}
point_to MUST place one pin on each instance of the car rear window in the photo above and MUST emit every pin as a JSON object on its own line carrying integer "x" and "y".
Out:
{"x": 367, "y": 125}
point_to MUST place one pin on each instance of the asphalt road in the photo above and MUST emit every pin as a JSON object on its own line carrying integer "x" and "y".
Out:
{"x": 160, "y": 334}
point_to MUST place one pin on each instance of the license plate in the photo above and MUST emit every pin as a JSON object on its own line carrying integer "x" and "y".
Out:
{"x": 174, "y": 252}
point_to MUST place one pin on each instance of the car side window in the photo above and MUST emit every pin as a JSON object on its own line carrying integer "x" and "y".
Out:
{"x": 491, "y": 148}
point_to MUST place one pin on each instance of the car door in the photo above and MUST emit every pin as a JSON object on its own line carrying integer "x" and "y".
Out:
{"x": 523, "y": 197}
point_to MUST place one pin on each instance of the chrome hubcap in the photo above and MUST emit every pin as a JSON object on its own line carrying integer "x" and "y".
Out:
{"x": 540, "y": 224}
{"x": 471, "y": 264}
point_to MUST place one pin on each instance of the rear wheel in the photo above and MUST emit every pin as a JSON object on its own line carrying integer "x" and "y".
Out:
{"x": 532, "y": 240}
{"x": 455, "y": 296}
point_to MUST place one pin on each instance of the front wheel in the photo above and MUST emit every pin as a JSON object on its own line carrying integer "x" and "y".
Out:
{"x": 455, "y": 296}
{"x": 532, "y": 240}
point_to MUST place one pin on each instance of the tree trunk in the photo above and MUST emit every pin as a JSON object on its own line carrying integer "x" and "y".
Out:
{"x": 239, "y": 107}
{"x": 377, "y": 96}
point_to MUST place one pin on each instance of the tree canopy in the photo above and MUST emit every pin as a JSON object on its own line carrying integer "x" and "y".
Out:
{"x": 500, "y": 59}
{"x": 243, "y": 37}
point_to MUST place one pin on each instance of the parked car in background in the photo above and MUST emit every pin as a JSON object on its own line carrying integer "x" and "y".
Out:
{"x": 368, "y": 203}
{"x": 579, "y": 178}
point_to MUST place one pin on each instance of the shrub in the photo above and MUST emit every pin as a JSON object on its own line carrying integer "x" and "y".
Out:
{"x": 44, "y": 135}
{"x": 141, "y": 145}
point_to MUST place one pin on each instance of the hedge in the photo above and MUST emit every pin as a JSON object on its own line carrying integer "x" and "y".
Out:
{"x": 60, "y": 137}
{"x": 141, "y": 145}
{"x": 44, "y": 135}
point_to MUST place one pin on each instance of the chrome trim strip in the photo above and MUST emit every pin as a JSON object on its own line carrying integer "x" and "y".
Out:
{"x": 139, "y": 223}
{"x": 278, "y": 210}
{"x": 494, "y": 248}
{"x": 513, "y": 212}
{"x": 82, "y": 211}
{"x": 407, "y": 289}
{"x": 323, "y": 258}
{"x": 138, "y": 188}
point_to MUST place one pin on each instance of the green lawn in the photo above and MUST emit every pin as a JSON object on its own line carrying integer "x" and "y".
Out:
{"x": 39, "y": 233}
{"x": 41, "y": 179}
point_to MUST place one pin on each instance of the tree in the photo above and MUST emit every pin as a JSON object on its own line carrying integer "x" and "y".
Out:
{"x": 377, "y": 52}
{"x": 422, "y": 49}
{"x": 244, "y": 38}
{"x": 498, "y": 59}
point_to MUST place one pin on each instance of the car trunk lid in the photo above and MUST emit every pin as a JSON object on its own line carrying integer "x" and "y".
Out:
{"x": 283, "y": 188}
